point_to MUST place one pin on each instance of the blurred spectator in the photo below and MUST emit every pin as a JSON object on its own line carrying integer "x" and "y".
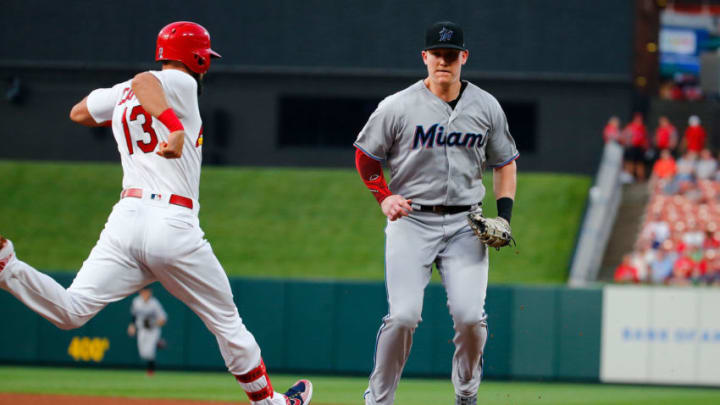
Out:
{"x": 661, "y": 267}
{"x": 695, "y": 135}
{"x": 626, "y": 272}
{"x": 684, "y": 174}
{"x": 612, "y": 130}
{"x": 712, "y": 275}
{"x": 659, "y": 231}
{"x": 682, "y": 270}
{"x": 664, "y": 167}
{"x": 706, "y": 166}
{"x": 694, "y": 237}
{"x": 685, "y": 167}
{"x": 680, "y": 246}
{"x": 712, "y": 239}
{"x": 635, "y": 134}
{"x": 665, "y": 135}
{"x": 669, "y": 90}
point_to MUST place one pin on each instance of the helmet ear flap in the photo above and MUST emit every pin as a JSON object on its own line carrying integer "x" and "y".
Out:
{"x": 199, "y": 60}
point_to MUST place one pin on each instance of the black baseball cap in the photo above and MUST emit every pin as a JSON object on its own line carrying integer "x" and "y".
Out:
{"x": 444, "y": 34}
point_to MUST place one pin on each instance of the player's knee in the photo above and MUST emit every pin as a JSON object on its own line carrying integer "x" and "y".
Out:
{"x": 469, "y": 320}
{"x": 70, "y": 322}
{"x": 408, "y": 319}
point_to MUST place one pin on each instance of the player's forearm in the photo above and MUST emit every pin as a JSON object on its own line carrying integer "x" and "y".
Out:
{"x": 504, "y": 186}
{"x": 505, "y": 181}
{"x": 371, "y": 172}
{"x": 150, "y": 94}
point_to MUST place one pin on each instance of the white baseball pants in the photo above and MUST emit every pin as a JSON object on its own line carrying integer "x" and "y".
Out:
{"x": 144, "y": 240}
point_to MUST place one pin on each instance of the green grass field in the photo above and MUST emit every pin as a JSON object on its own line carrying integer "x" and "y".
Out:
{"x": 297, "y": 223}
{"x": 335, "y": 390}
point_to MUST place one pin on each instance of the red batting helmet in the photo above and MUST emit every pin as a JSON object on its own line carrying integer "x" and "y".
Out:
{"x": 185, "y": 42}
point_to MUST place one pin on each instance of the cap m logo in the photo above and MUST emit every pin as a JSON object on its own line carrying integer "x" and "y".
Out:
{"x": 445, "y": 34}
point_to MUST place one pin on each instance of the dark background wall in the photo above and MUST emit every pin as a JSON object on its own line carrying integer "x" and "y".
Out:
{"x": 559, "y": 69}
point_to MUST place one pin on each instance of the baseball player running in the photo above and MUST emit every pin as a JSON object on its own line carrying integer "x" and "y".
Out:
{"x": 153, "y": 232}
{"x": 148, "y": 317}
{"x": 437, "y": 136}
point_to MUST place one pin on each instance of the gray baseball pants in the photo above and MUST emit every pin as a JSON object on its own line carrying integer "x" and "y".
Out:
{"x": 413, "y": 244}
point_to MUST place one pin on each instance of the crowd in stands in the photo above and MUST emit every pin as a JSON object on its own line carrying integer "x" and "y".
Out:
{"x": 679, "y": 239}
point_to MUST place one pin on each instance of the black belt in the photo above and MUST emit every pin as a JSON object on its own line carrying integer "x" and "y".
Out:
{"x": 443, "y": 209}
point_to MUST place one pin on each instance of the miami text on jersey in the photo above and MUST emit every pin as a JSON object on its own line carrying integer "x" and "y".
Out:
{"x": 435, "y": 136}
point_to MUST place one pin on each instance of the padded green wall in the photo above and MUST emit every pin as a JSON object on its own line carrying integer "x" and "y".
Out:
{"x": 330, "y": 327}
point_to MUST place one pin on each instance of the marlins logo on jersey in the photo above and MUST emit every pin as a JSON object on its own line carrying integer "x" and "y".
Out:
{"x": 435, "y": 136}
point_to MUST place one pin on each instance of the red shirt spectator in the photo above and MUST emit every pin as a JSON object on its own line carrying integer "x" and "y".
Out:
{"x": 637, "y": 132}
{"x": 711, "y": 241}
{"x": 665, "y": 166}
{"x": 626, "y": 272}
{"x": 695, "y": 135}
{"x": 612, "y": 130}
{"x": 639, "y": 137}
{"x": 665, "y": 135}
{"x": 680, "y": 246}
{"x": 684, "y": 267}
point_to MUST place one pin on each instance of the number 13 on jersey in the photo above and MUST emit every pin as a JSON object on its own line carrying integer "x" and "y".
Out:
{"x": 150, "y": 140}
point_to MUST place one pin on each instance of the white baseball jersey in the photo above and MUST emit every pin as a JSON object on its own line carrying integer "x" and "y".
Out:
{"x": 436, "y": 154}
{"x": 147, "y": 238}
{"x": 137, "y": 134}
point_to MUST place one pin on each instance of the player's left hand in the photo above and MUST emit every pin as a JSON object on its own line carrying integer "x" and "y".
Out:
{"x": 131, "y": 330}
{"x": 494, "y": 232}
{"x": 172, "y": 149}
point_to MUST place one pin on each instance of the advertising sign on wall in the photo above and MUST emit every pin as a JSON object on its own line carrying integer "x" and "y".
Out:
{"x": 680, "y": 49}
{"x": 661, "y": 335}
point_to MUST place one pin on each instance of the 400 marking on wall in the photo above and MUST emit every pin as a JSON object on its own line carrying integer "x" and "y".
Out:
{"x": 88, "y": 349}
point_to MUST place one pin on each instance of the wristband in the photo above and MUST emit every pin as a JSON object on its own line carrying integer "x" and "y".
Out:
{"x": 504, "y": 208}
{"x": 170, "y": 120}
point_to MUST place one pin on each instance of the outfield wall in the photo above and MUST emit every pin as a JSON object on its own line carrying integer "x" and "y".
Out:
{"x": 330, "y": 327}
{"x": 536, "y": 333}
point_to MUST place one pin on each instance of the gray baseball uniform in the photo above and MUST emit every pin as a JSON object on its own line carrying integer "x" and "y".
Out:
{"x": 436, "y": 155}
{"x": 147, "y": 314}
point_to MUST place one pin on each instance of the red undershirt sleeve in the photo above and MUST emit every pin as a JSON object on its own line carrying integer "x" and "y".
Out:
{"x": 372, "y": 175}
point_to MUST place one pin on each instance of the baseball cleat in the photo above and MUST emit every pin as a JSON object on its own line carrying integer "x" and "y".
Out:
{"x": 299, "y": 394}
{"x": 6, "y": 252}
{"x": 465, "y": 400}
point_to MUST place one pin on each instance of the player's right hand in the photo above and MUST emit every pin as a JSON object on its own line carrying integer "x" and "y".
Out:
{"x": 172, "y": 149}
{"x": 395, "y": 206}
{"x": 131, "y": 330}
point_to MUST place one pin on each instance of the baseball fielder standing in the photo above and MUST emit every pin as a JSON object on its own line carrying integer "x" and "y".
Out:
{"x": 437, "y": 136}
{"x": 148, "y": 318}
{"x": 153, "y": 232}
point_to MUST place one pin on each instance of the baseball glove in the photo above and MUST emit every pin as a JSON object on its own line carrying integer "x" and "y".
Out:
{"x": 494, "y": 232}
